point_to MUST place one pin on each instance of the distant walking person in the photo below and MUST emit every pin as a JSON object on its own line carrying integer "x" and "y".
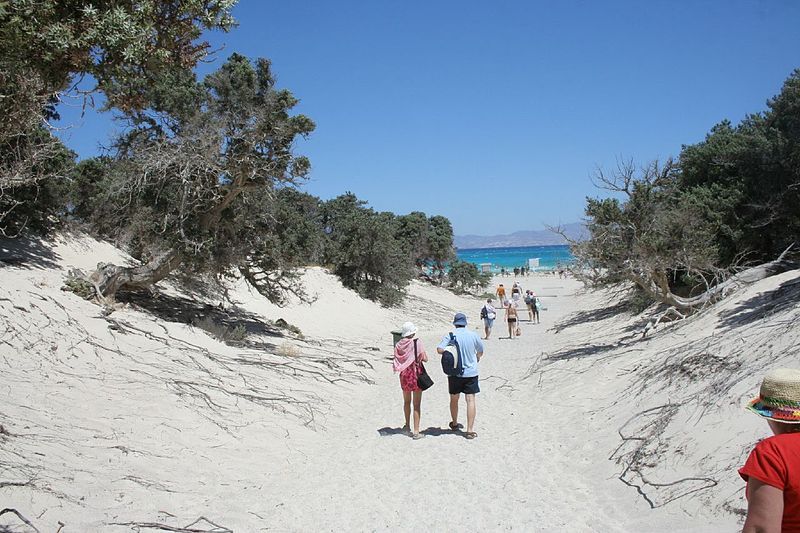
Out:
{"x": 512, "y": 319}
{"x": 529, "y": 305}
{"x": 488, "y": 314}
{"x": 772, "y": 471}
{"x": 516, "y": 293}
{"x": 408, "y": 353}
{"x": 470, "y": 347}
{"x": 536, "y": 306}
{"x": 501, "y": 293}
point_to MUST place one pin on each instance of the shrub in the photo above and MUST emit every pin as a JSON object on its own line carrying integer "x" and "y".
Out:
{"x": 464, "y": 276}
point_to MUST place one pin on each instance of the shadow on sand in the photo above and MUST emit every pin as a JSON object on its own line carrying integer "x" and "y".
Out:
{"x": 186, "y": 311}
{"x": 593, "y": 315}
{"x": 763, "y": 305}
{"x": 428, "y": 432}
{"x": 27, "y": 253}
{"x": 581, "y": 351}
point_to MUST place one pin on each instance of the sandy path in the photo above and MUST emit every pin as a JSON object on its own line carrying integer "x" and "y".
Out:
{"x": 520, "y": 473}
{"x": 532, "y": 468}
{"x": 138, "y": 449}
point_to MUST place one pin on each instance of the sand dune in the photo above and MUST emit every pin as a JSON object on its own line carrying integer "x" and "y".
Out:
{"x": 140, "y": 417}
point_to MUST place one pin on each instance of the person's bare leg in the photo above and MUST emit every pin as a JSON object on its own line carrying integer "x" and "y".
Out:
{"x": 530, "y": 314}
{"x": 454, "y": 409}
{"x": 407, "y": 408}
{"x": 417, "y": 406}
{"x": 510, "y": 333}
{"x": 470, "y": 412}
{"x": 486, "y": 330}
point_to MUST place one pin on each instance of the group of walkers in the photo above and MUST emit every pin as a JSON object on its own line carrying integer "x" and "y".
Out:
{"x": 511, "y": 306}
{"x": 771, "y": 472}
{"x": 465, "y": 349}
{"x": 518, "y": 271}
{"x": 462, "y": 349}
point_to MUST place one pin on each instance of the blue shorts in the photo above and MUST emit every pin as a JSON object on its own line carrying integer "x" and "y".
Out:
{"x": 488, "y": 322}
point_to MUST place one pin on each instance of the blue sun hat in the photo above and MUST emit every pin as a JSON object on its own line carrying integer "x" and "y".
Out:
{"x": 779, "y": 396}
{"x": 460, "y": 319}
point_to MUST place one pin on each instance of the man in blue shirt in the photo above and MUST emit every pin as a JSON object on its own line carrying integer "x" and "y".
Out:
{"x": 471, "y": 348}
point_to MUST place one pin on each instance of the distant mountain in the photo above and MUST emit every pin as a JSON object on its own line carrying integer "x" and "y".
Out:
{"x": 575, "y": 231}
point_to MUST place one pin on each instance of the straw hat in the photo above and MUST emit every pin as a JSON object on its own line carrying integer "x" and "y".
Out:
{"x": 779, "y": 397}
{"x": 409, "y": 329}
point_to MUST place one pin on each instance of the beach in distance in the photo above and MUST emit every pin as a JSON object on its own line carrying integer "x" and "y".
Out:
{"x": 583, "y": 424}
{"x": 545, "y": 257}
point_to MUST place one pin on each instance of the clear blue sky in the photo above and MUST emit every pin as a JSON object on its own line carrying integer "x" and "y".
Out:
{"x": 495, "y": 114}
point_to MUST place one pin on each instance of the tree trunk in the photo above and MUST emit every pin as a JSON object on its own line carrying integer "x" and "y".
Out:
{"x": 657, "y": 287}
{"x": 110, "y": 278}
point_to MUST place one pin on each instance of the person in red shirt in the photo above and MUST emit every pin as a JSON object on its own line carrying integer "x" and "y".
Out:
{"x": 772, "y": 471}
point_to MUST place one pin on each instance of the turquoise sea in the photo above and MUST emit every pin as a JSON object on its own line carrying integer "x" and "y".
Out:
{"x": 549, "y": 257}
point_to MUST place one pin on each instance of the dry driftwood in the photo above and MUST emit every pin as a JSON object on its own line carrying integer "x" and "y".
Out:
{"x": 109, "y": 278}
{"x": 658, "y": 286}
{"x": 27, "y": 522}
{"x": 194, "y": 527}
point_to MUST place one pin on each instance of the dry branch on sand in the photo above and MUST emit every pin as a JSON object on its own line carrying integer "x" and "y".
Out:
{"x": 19, "y": 515}
{"x": 52, "y": 338}
{"x": 641, "y": 447}
{"x": 211, "y": 382}
{"x": 195, "y": 527}
{"x": 659, "y": 287}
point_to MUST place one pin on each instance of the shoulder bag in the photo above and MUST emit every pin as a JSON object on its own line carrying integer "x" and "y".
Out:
{"x": 424, "y": 381}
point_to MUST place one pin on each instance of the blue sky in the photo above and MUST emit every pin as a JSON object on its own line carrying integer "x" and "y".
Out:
{"x": 495, "y": 114}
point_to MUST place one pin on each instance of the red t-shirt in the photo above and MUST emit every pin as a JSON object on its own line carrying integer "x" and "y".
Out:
{"x": 776, "y": 461}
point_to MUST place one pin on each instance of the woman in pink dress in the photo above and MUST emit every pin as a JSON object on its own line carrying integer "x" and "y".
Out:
{"x": 408, "y": 354}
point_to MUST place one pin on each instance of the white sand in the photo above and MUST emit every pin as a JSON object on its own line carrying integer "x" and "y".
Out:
{"x": 132, "y": 418}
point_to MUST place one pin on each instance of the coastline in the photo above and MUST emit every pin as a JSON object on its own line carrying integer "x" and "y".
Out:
{"x": 550, "y": 257}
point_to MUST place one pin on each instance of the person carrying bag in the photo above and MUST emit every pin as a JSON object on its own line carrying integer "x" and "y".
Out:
{"x": 409, "y": 356}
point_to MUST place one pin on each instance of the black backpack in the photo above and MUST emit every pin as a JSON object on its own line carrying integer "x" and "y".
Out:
{"x": 451, "y": 362}
{"x": 483, "y": 312}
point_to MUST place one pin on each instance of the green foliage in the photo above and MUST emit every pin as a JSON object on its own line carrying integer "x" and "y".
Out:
{"x": 298, "y": 226}
{"x": 125, "y": 48}
{"x": 464, "y": 276}
{"x": 427, "y": 241}
{"x": 654, "y": 231}
{"x": 747, "y": 179}
{"x": 211, "y": 187}
{"x": 121, "y": 45}
{"x": 363, "y": 252}
{"x": 202, "y": 180}
{"x": 440, "y": 243}
{"x": 412, "y": 236}
{"x": 25, "y": 161}
{"x": 87, "y": 187}
{"x": 675, "y": 230}
{"x": 377, "y": 254}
